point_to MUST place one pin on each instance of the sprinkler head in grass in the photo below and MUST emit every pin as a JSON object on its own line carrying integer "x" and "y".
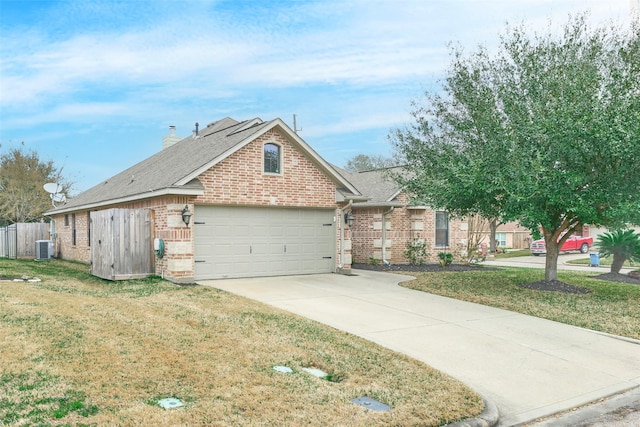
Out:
{"x": 170, "y": 403}
{"x": 372, "y": 404}
{"x": 315, "y": 372}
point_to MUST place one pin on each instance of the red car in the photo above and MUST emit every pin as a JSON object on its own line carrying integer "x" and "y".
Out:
{"x": 573, "y": 243}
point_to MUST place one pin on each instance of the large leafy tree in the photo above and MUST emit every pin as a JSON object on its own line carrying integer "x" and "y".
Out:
{"x": 367, "y": 162}
{"x": 448, "y": 148}
{"x": 22, "y": 176}
{"x": 545, "y": 131}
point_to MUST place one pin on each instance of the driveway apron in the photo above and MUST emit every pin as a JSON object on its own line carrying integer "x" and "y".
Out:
{"x": 529, "y": 367}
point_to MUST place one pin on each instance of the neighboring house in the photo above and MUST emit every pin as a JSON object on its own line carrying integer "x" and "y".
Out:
{"x": 595, "y": 232}
{"x": 387, "y": 222}
{"x": 510, "y": 235}
{"x": 263, "y": 202}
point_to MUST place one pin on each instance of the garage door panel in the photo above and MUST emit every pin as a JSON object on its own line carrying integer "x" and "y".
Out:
{"x": 242, "y": 242}
{"x": 222, "y": 231}
{"x": 258, "y": 231}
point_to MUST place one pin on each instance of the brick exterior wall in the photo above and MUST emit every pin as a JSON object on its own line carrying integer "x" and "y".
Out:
{"x": 168, "y": 225}
{"x": 401, "y": 225}
{"x": 237, "y": 180}
{"x": 65, "y": 227}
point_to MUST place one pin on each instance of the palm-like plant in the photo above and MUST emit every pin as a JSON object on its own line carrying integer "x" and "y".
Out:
{"x": 622, "y": 244}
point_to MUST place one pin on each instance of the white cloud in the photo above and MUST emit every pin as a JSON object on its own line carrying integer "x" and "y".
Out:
{"x": 364, "y": 43}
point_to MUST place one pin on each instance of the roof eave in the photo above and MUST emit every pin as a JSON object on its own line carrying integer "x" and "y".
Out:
{"x": 135, "y": 197}
{"x": 395, "y": 195}
{"x": 366, "y": 205}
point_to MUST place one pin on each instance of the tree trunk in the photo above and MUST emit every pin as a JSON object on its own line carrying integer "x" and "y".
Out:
{"x": 551, "y": 261}
{"x": 618, "y": 261}
{"x": 493, "y": 226}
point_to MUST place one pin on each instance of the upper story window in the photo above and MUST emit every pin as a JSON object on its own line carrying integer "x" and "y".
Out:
{"x": 272, "y": 158}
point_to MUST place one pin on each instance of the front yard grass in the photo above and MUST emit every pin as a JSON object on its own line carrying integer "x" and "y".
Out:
{"x": 612, "y": 307}
{"x": 604, "y": 262}
{"x": 78, "y": 350}
{"x": 512, "y": 253}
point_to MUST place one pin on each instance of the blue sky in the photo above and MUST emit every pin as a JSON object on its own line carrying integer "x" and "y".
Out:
{"x": 94, "y": 85}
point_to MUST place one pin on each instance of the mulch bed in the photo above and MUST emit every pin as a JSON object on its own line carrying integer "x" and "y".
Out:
{"x": 423, "y": 268}
{"x": 541, "y": 285}
{"x": 555, "y": 286}
{"x": 622, "y": 278}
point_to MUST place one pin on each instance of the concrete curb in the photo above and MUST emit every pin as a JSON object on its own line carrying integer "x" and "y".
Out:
{"x": 488, "y": 418}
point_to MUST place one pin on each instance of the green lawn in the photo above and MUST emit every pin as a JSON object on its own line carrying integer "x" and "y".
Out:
{"x": 513, "y": 253}
{"x": 612, "y": 307}
{"x": 604, "y": 261}
{"x": 78, "y": 350}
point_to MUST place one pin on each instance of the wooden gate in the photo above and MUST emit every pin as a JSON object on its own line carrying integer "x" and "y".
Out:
{"x": 521, "y": 240}
{"x": 121, "y": 243}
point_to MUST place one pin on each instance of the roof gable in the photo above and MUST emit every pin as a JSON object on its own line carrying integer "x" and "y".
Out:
{"x": 175, "y": 169}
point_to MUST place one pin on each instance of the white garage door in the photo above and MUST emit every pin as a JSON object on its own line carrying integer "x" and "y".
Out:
{"x": 246, "y": 242}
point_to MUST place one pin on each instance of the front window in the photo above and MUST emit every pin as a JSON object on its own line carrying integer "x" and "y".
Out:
{"x": 271, "y": 158}
{"x": 501, "y": 240}
{"x": 442, "y": 229}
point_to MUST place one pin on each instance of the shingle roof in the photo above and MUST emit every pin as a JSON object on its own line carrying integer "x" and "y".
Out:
{"x": 175, "y": 169}
{"x": 377, "y": 185}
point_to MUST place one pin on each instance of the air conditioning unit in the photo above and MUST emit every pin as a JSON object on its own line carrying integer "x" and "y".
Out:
{"x": 44, "y": 249}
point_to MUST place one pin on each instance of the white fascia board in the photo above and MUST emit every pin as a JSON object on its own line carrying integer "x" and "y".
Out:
{"x": 340, "y": 197}
{"x": 394, "y": 195}
{"x": 152, "y": 193}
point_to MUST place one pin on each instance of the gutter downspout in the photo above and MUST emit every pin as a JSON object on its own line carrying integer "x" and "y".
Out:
{"x": 342, "y": 224}
{"x": 384, "y": 235}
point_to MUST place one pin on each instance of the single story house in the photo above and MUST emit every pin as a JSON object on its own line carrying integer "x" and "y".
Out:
{"x": 385, "y": 224}
{"x": 252, "y": 198}
{"x": 511, "y": 235}
{"x": 259, "y": 201}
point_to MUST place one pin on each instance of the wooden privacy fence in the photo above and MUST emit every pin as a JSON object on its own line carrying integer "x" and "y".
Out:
{"x": 121, "y": 243}
{"x": 521, "y": 240}
{"x": 19, "y": 240}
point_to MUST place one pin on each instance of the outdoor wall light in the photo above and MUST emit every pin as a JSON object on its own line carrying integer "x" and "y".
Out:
{"x": 348, "y": 219}
{"x": 186, "y": 215}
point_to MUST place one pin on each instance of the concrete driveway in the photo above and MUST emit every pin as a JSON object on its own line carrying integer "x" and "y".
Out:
{"x": 529, "y": 367}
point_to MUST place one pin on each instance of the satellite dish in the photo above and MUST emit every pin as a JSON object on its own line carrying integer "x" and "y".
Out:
{"x": 52, "y": 188}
